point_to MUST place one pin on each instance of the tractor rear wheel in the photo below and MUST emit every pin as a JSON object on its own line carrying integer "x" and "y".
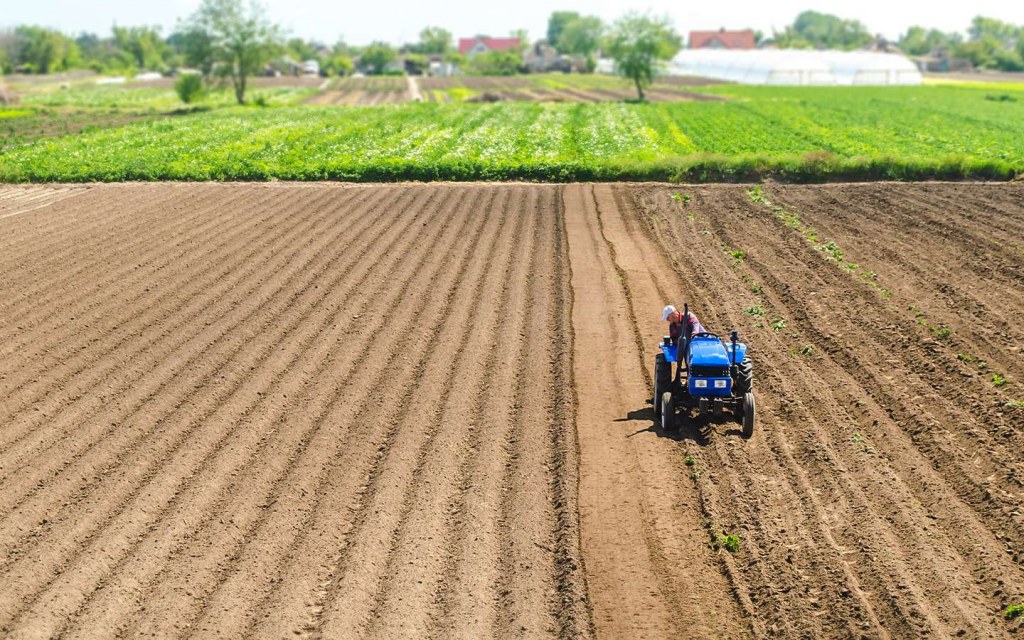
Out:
{"x": 662, "y": 380}
{"x": 743, "y": 374}
{"x": 749, "y": 410}
{"x": 668, "y": 412}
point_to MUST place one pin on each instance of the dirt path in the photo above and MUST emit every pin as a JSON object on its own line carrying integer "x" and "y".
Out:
{"x": 650, "y": 569}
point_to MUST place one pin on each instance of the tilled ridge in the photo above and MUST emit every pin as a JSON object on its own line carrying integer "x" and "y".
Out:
{"x": 867, "y": 488}
{"x": 274, "y": 410}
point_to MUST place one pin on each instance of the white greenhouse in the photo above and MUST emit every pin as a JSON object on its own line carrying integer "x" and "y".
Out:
{"x": 796, "y": 67}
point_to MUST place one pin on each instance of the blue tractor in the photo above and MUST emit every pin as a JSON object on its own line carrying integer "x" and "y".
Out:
{"x": 713, "y": 375}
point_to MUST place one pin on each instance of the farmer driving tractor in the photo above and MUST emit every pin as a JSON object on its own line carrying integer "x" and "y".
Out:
{"x": 680, "y": 324}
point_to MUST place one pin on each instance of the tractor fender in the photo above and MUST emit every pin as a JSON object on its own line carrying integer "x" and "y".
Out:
{"x": 741, "y": 351}
{"x": 670, "y": 352}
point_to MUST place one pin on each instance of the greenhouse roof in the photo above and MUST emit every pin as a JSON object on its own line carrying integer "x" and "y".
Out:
{"x": 797, "y": 67}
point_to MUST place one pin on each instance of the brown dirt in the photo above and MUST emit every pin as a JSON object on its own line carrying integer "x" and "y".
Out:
{"x": 423, "y": 410}
{"x": 882, "y": 494}
{"x": 278, "y": 410}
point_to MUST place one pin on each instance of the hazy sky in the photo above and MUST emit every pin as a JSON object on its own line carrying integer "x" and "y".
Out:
{"x": 399, "y": 21}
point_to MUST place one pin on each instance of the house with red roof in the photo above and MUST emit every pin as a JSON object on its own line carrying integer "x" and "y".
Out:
{"x": 723, "y": 39}
{"x": 469, "y": 47}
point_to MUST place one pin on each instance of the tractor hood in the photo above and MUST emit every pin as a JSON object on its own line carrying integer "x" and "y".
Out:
{"x": 708, "y": 352}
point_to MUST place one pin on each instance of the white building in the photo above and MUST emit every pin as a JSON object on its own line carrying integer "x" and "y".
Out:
{"x": 797, "y": 67}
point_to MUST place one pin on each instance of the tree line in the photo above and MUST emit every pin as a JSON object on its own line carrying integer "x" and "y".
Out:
{"x": 229, "y": 41}
{"x": 990, "y": 43}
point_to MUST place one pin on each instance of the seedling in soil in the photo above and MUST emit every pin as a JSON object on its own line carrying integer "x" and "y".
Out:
{"x": 808, "y": 350}
{"x": 831, "y": 250}
{"x": 998, "y": 380}
{"x": 962, "y": 357}
{"x": 857, "y": 438}
{"x": 682, "y": 198}
{"x": 754, "y": 311}
{"x": 689, "y": 460}
{"x": 738, "y": 254}
{"x": 779, "y": 325}
{"x": 757, "y": 195}
{"x": 1014, "y": 611}
{"x": 1015, "y": 404}
{"x": 756, "y": 287}
{"x": 730, "y": 542}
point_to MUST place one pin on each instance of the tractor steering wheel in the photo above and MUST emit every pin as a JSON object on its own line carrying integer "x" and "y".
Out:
{"x": 704, "y": 334}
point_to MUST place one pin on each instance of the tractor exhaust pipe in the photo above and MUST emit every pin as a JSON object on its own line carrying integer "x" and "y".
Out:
{"x": 734, "y": 338}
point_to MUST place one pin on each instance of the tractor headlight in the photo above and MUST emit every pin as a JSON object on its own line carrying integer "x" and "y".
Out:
{"x": 700, "y": 384}
{"x": 721, "y": 384}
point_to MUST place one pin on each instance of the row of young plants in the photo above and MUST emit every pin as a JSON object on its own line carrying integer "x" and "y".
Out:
{"x": 798, "y": 135}
{"x": 153, "y": 98}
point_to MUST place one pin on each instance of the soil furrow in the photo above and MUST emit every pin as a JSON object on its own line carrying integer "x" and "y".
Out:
{"x": 40, "y": 270}
{"x": 240, "y": 513}
{"x": 142, "y": 394}
{"x": 128, "y": 478}
{"x": 306, "y": 560}
{"x": 366, "y": 560}
{"x": 468, "y": 600}
{"x": 187, "y": 308}
{"x": 414, "y": 568}
{"x": 113, "y": 333}
{"x": 909, "y": 567}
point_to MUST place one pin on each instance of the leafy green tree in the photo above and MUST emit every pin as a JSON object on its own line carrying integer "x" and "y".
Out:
{"x": 416, "y": 63}
{"x": 557, "y": 22}
{"x": 303, "y": 50}
{"x": 457, "y": 59}
{"x": 640, "y": 44}
{"x": 980, "y": 53}
{"x": 376, "y": 57}
{"x": 44, "y": 50}
{"x": 195, "y": 48}
{"x": 337, "y": 65}
{"x": 496, "y": 63}
{"x": 918, "y": 41}
{"x": 581, "y": 36}
{"x": 189, "y": 87}
{"x": 982, "y": 27}
{"x": 241, "y": 39}
{"x": 524, "y": 38}
{"x": 434, "y": 40}
{"x": 147, "y": 48}
{"x": 823, "y": 31}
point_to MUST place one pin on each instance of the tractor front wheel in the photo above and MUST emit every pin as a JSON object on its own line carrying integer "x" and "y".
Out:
{"x": 748, "y": 414}
{"x": 668, "y": 412}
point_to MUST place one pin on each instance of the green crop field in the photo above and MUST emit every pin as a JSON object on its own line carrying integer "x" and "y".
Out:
{"x": 114, "y": 97}
{"x": 791, "y": 133}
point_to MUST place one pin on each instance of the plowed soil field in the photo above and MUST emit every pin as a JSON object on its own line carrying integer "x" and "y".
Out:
{"x": 424, "y": 410}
